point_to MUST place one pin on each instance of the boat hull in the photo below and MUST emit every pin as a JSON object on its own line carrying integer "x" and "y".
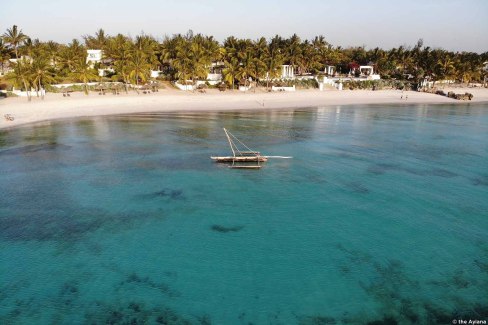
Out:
{"x": 240, "y": 159}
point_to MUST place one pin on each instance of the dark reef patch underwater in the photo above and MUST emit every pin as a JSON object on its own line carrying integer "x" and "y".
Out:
{"x": 381, "y": 217}
{"x": 223, "y": 229}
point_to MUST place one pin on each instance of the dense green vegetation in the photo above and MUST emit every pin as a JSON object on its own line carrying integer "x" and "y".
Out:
{"x": 189, "y": 57}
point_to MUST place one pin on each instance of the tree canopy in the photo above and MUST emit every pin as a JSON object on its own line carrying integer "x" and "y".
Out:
{"x": 189, "y": 57}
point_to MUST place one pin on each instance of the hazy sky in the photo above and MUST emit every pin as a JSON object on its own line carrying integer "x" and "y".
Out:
{"x": 452, "y": 24}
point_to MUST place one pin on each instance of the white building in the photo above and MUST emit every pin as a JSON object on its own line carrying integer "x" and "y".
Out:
{"x": 368, "y": 72}
{"x": 214, "y": 77}
{"x": 287, "y": 72}
{"x": 329, "y": 70}
{"x": 8, "y": 65}
{"x": 93, "y": 56}
{"x": 105, "y": 72}
{"x": 22, "y": 58}
{"x": 156, "y": 73}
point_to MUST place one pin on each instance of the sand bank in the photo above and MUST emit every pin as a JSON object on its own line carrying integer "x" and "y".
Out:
{"x": 55, "y": 106}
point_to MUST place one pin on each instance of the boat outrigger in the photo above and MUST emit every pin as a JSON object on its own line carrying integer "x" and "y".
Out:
{"x": 242, "y": 156}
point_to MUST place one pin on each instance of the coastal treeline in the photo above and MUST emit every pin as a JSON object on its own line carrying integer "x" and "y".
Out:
{"x": 189, "y": 57}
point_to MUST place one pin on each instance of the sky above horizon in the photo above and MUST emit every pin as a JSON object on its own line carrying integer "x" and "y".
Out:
{"x": 457, "y": 25}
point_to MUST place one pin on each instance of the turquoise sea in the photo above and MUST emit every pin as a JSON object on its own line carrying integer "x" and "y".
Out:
{"x": 381, "y": 217}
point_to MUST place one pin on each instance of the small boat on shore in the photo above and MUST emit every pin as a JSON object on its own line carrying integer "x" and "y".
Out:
{"x": 242, "y": 157}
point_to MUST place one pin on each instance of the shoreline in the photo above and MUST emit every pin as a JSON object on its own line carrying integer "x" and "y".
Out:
{"x": 56, "y": 107}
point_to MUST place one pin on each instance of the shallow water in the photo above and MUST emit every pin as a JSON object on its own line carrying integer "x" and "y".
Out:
{"x": 382, "y": 215}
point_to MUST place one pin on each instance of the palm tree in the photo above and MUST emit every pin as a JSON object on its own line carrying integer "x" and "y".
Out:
{"x": 168, "y": 52}
{"x": 120, "y": 50}
{"x": 308, "y": 60}
{"x": 273, "y": 62}
{"x": 191, "y": 56}
{"x": 83, "y": 72}
{"x": 294, "y": 51}
{"x": 245, "y": 70}
{"x": 97, "y": 42}
{"x": 41, "y": 75}
{"x": 212, "y": 53}
{"x": 139, "y": 68}
{"x": 14, "y": 37}
{"x": 184, "y": 58}
{"x": 199, "y": 61}
{"x": 148, "y": 46}
{"x": 258, "y": 62}
{"x": 445, "y": 67}
{"x": 231, "y": 71}
{"x": 4, "y": 55}
{"x": 33, "y": 48}
{"x": 70, "y": 55}
{"x": 27, "y": 47}
{"x": 426, "y": 61}
{"x": 22, "y": 75}
{"x": 320, "y": 54}
{"x": 52, "y": 51}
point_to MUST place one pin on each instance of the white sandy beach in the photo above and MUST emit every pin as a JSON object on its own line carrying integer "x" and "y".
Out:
{"x": 55, "y": 106}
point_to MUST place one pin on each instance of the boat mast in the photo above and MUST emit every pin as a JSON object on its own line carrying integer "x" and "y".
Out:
{"x": 230, "y": 142}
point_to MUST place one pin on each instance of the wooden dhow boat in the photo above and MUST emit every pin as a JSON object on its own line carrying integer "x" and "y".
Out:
{"x": 243, "y": 158}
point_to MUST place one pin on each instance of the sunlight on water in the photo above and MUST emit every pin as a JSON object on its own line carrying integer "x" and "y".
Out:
{"x": 382, "y": 215}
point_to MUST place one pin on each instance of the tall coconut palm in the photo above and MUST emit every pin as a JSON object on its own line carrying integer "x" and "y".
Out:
{"x": 320, "y": 54}
{"x": 84, "y": 73}
{"x": 231, "y": 45}
{"x": 231, "y": 71}
{"x": 41, "y": 74}
{"x": 139, "y": 67}
{"x": 97, "y": 42}
{"x": 337, "y": 56}
{"x": 183, "y": 59}
{"x": 426, "y": 61}
{"x": 4, "y": 55}
{"x": 445, "y": 67}
{"x": 14, "y": 37}
{"x": 293, "y": 51}
{"x": 308, "y": 61}
{"x": 27, "y": 47}
{"x": 148, "y": 46}
{"x": 212, "y": 49}
{"x": 169, "y": 47}
{"x": 273, "y": 62}
{"x": 70, "y": 55}
{"x": 383, "y": 65}
{"x": 258, "y": 62}
{"x": 21, "y": 75}
{"x": 199, "y": 60}
{"x": 120, "y": 50}
{"x": 33, "y": 48}
{"x": 51, "y": 49}
{"x": 245, "y": 70}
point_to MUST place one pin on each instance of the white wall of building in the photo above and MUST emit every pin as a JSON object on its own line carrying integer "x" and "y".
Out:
{"x": 274, "y": 88}
{"x": 287, "y": 72}
{"x": 93, "y": 56}
{"x": 214, "y": 77}
{"x": 155, "y": 73}
{"x": 184, "y": 87}
{"x": 329, "y": 70}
